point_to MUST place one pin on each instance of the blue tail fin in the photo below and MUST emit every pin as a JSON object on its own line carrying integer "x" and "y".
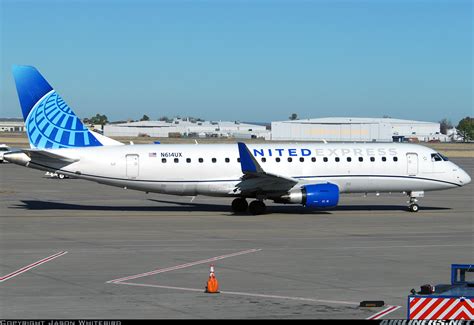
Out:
{"x": 50, "y": 123}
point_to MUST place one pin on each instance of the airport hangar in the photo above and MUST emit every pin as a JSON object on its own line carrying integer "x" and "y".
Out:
{"x": 188, "y": 128}
{"x": 352, "y": 129}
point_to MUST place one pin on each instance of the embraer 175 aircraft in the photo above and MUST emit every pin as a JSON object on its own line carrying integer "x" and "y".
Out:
{"x": 311, "y": 174}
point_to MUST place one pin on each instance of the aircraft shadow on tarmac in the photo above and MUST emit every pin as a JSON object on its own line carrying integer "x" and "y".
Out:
{"x": 205, "y": 207}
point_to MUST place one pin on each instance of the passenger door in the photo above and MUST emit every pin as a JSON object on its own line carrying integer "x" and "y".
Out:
{"x": 412, "y": 164}
{"x": 132, "y": 166}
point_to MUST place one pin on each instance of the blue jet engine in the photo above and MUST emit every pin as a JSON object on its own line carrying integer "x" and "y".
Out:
{"x": 314, "y": 196}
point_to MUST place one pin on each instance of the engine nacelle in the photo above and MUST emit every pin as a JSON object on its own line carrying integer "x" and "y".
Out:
{"x": 314, "y": 196}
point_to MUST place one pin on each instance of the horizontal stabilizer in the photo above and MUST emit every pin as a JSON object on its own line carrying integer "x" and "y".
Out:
{"x": 39, "y": 159}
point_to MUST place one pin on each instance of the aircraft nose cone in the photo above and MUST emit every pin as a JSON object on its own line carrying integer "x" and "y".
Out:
{"x": 464, "y": 177}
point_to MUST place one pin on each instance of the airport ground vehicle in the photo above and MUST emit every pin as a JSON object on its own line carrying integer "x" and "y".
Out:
{"x": 445, "y": 301}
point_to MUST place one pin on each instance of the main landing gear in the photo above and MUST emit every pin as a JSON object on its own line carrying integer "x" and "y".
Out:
{"x": 255, "y": 207}
{"x": 239, "y": 205}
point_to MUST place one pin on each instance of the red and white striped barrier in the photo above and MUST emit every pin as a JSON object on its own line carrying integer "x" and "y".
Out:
{"x": 458, "y": 308}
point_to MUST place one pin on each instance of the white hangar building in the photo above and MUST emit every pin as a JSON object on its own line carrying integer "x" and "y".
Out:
{"x": 356, "y": 129}
{"x": 182, "y": 127}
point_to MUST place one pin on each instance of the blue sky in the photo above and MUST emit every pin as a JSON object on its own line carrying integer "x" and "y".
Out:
{"x": 245, "y": 60}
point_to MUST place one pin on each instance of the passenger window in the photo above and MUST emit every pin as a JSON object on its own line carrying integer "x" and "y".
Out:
{"x": 313, "y": 159}
{"x": 264, "y": 159}
{"x": 384, "y": 158}
{"x": 188, "y": 160}
{"x": 372, "y": 159}
{"x": 301, "y": 159}
{"x": 290, "y": 159}
{"x": 277, "y": 159}
{"x": 361, "y": 159}
{"x": 227, "y": 160}
{"x": 201, "y": 160}
{"x": 349, "y": 159}
{"x": 395, "y": 158}
{"x": 163, "y": 160}
{"x": 337, "y": 159}
{"x": 176, "y": 160}
{"x": 325, "y": 159}
{"x": 238, "y": 160}
{"x": 214, "y": 160}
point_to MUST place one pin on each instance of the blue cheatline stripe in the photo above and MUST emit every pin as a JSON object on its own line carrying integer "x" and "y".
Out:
{"x": 380, "y": 176}
{"x": 236, "y": 180}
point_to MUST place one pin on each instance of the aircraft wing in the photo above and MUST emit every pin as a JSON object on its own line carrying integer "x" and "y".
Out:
{"x": 256, "y": 180}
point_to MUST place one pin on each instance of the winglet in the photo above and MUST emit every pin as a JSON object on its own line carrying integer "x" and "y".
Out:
{"x": 248, "y": 163}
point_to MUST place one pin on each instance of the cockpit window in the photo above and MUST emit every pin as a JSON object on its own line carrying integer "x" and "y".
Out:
{"x": 436, "y": 157}
{"x": 443, "y": 157}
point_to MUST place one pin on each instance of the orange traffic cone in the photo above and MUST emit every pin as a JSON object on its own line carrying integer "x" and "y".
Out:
{"x": 212, "y": 284}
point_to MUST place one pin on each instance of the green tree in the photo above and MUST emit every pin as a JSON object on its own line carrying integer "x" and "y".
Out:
{"x": 164, "y": 118}
{"x": 145, "y": 118}
{"x": 466, "y": 128}
{"x": 293, "y": 116}
{"x": 445, "y": 125}
{"x": 99, "y": 120}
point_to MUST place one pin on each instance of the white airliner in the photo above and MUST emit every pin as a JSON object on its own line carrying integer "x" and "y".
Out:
{"x": 311, "y": 174}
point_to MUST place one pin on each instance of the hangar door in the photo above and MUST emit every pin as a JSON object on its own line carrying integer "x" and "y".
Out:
{"x": 132, "y": 166}
{"x": 412, "y": 164}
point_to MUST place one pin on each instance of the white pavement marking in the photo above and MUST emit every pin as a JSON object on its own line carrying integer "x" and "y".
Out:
{"x": 385, "y": 312}
{"x": 337, "y": 302}
{"x": 31, "y": 266}
{"x": 182, "y": 266}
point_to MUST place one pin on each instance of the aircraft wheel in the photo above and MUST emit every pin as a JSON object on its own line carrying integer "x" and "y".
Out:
{"x": 239, "y": 205}
{"x": 257, "y": 207}
{"x": 61, "y": 176}
{"x": 413, "y": 208}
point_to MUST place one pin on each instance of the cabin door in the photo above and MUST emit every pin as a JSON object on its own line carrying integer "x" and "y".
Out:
{"x": 132, "y": 166}
{"x": 412, "y": 164}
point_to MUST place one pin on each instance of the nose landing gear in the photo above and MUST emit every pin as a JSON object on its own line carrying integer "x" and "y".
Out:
{"x": 412, "y": 206}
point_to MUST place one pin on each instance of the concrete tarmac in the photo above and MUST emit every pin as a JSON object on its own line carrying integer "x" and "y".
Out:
{"x": 135, "y": 255}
